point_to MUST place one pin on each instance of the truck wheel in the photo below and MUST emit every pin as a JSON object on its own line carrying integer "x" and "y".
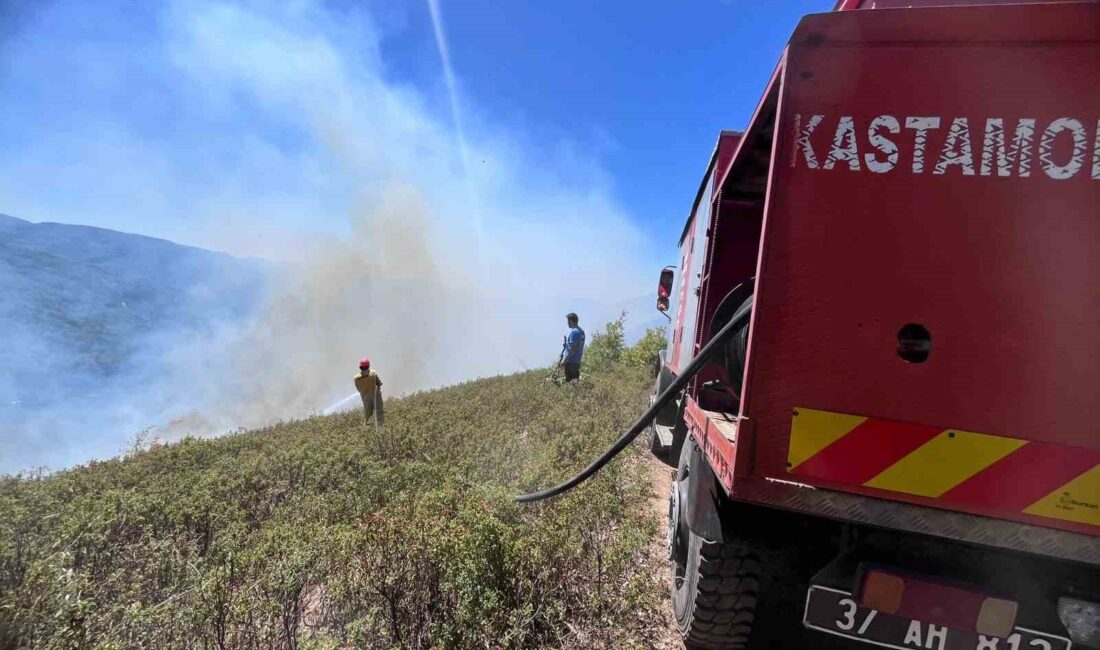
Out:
{"x": 714, "y": 584}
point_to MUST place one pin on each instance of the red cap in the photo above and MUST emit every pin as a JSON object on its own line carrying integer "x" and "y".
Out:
{"x": 364, "y": 363}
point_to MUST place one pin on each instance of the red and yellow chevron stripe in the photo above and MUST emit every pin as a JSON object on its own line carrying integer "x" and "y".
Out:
{"x": 952, "y": 465}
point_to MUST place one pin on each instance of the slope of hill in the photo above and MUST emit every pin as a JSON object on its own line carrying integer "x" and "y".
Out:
{"x": 321, "y": 533}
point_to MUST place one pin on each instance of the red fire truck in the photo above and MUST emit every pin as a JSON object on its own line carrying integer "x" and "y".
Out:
{"x": 899, "y": 429}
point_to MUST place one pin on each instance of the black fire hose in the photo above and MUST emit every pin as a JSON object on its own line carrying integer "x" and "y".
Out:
{"x": 739, "y": 319}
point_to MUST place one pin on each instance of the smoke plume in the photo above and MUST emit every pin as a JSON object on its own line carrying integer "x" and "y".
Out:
{"x": 442, "y": 255}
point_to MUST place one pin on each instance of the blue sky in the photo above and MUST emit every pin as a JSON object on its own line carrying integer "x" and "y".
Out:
{"x": 646, "y": 86}
{"x": 112, "y": 119}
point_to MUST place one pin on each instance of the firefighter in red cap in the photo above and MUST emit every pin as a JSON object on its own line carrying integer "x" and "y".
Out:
{"x": 369, "y": 385}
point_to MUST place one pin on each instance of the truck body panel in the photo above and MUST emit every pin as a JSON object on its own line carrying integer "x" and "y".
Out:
{"x": 932, "y": 167}
{"x": 683, "y": 341}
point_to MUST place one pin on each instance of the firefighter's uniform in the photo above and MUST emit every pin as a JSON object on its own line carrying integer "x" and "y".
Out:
{"x": 369, "y": 386}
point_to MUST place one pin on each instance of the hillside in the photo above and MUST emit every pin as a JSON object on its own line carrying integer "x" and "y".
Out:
{"x": 79, "y": 300}
{"x": 319, "y": 533}
{"x": 86, "y": 315}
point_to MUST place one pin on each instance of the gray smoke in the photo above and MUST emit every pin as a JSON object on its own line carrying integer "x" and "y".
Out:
{"x": 441, "y": 258}
{"x": 378, "y": 292}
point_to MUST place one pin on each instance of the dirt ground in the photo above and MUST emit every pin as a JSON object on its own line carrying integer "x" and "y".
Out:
{"x": 668, "y": 637}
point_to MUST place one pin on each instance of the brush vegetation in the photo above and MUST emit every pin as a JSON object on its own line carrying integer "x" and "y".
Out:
{"x": 323, "y": 533}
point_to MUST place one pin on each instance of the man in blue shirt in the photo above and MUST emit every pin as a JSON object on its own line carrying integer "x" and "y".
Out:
{"x": 572, "y": 349}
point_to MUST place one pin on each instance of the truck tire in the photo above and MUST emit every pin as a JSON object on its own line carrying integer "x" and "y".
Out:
{"x": 714, "y": 584}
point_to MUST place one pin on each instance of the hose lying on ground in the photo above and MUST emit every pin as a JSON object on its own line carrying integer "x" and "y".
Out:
{"x": 717, "y": 341}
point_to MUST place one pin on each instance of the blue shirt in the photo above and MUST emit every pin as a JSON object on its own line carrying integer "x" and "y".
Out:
{"x": 572, "y": 348}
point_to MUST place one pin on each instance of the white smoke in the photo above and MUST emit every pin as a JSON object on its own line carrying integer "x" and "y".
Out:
{"x": 441, "y": 255}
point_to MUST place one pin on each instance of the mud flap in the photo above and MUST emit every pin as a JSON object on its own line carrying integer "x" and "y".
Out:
{"x": 701, "y": 497}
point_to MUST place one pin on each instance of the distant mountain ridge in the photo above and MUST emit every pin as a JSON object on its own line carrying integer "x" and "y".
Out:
{"x": 104, "y": 335}
{"x": 75, "y": 302}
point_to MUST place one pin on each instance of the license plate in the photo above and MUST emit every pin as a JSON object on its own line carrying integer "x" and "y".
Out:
{"x": 836, "y": 612}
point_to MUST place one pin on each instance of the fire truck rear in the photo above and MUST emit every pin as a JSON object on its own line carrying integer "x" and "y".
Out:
{"x": 902, "y": 438}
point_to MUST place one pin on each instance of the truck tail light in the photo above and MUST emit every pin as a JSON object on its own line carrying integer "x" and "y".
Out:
{"x": 883, "y": 592}
{"x": 946, "y": 604}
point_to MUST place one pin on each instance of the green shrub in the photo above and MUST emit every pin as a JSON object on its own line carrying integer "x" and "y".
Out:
{"x": 609, "y": 348}
{"x": 644, "y": 353}
{"x": 606, "y": 348}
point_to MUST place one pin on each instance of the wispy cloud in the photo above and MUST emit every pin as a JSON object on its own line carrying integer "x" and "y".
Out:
{"x": 456, "y": 113}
